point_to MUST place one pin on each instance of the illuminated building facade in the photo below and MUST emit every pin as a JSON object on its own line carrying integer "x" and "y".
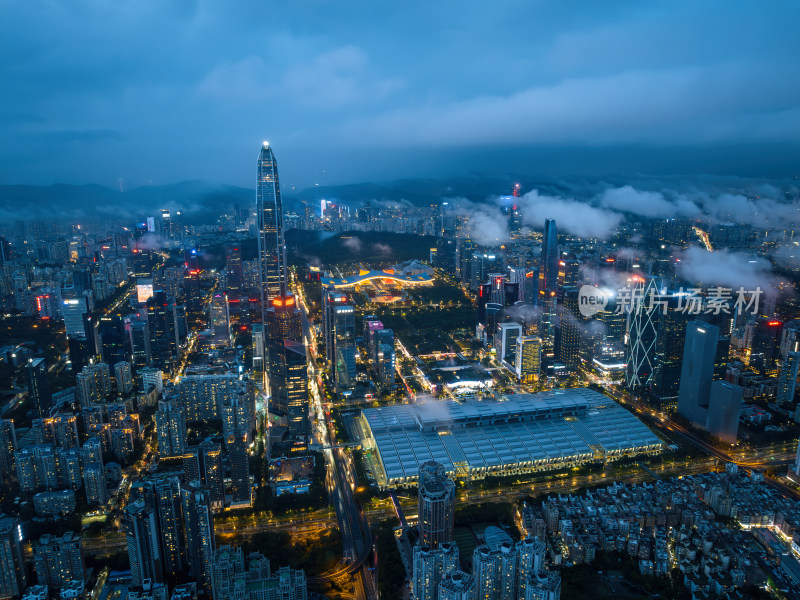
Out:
{"x": 344, "y": 340}
{"x": 528, "y": 358}
{"x": 13, "y": 574}
{"x": 171, "y": 429}
{"x": 436, "y": 505}
{"x": 58, "y": 559}
{"x": 271, "y": 246}
{"x": 642, "y": 336}
{"x": 220, "y": 320}
{"x": 283, "y": 324}
{"x": 568, "y": 336}
{"x": 330, "y": 300}
{"x": 203, "y": 463}
{"x": 429, "y": 566}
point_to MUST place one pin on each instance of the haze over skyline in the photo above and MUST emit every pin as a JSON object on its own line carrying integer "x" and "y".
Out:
{"x": 158, "y": 93}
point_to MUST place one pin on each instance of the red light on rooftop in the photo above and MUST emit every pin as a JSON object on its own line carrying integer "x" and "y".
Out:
{"x": 609, "y": 260}
{"x": 774, "y": 323}
{"x": 277, "y": 302}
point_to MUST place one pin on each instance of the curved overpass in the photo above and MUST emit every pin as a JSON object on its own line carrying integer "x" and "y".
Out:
{"x": 337, "y": 283}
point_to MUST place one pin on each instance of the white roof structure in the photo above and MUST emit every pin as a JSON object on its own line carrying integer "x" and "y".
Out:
{"x": 525, "y": 432}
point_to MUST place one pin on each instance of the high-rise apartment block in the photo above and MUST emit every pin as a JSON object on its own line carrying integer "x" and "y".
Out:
{"x": 436, "y": 502}
{"x": 13, "y": 574}
{"x": 59, "y": 559}
{"x": 170, "y": 429}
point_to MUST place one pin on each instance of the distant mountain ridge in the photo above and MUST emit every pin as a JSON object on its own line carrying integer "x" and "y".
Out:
{"x": 194, "y": 198}
{"x": 199, "y": 200}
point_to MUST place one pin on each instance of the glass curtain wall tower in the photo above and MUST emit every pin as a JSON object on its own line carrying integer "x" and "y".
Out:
{"x": 271, "y": 246}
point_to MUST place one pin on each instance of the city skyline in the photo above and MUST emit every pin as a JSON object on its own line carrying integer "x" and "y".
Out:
{"x": 519, "y": 319}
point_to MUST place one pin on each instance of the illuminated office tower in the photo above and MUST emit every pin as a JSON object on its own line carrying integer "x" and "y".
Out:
{"x": 73, "y": 309}
{"x": 429, "y": 566}
{"x": 234, "y": 271}
{"x": 296, "y": 377}
{"x": 527, "y": 359}
{"x": 170, "y": 429}
{"x": 13, "y": 575}
{"x": 385, "y": 357}
{"x": 161, "y": 322}
{"x": 58, "y": 559}
{"x": 787, "y": 380}
{"x": 568, "y": 332}
{"x": 643, "y": 333}
{"x": 140, "y": 524}
{"x": 258, "y": 347}
{"x": 765, "y": 347}
{"x": 199, "y": 526}
{"x": 271, "y": 246}
{"x": 39, "y": 387}
{"x": 436, "y": 505}
{"x": 568, "y": 274}
{"x": 236, "y": 449}
{"x": 166, "y": 224}
{"x": 283, "y": 324}
{"x": 505, "y": 341}
{"x": 548, "y": 271}
{"x": 344, "y": 341}
{"x": 330, "y": 300}
{"x": 220, "y": 319}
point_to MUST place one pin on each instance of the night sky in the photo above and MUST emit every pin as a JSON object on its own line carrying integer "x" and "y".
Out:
{"x": 163, "y": 91}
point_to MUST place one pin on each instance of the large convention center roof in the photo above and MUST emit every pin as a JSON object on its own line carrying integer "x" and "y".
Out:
{"x": 522, "y": 433}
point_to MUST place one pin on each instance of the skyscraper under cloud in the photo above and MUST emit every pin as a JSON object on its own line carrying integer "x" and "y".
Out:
{"x": 549, "y": 266}
{"x": 271, "y": 247}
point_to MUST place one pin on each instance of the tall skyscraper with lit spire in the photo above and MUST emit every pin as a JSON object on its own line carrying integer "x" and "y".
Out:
{"x": 271, "y": 246}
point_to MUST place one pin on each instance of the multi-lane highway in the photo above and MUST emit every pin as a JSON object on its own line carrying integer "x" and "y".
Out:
{"x": 353, "y": 525}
